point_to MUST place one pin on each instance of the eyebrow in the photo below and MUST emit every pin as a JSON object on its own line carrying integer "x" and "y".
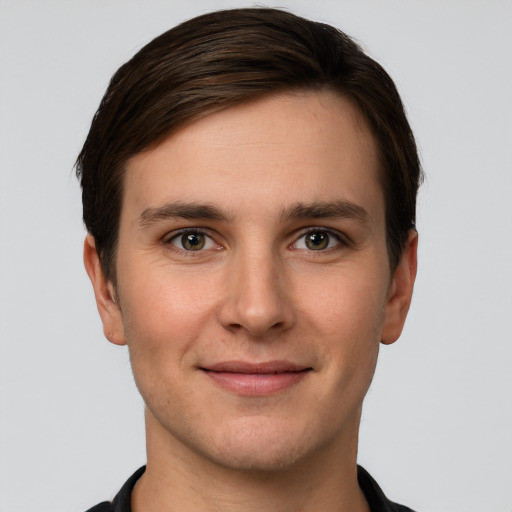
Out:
{"x": 189, "y": 211}
{"x": 325, "y": 210}
{"x": 195, "y": 211}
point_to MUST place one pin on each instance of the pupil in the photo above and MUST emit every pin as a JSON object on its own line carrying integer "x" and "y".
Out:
{"x": 193, "y": 241}
{"x": 317, "y": 240}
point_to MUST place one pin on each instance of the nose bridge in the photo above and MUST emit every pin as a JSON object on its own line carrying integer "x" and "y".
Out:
{"x": 255, "y": 299}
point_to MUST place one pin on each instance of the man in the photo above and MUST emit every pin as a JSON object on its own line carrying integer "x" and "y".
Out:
{"x": 249, "y": 186}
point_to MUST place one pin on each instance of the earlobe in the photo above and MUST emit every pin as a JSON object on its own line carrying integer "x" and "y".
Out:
{"x": 400, "y": 291}
{"x": 104, "y": 293}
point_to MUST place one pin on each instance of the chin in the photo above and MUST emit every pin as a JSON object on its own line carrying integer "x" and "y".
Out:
{"x": 257, "y": 440}
{"x": 258, "y": 459}
{"x": 261, "y": 446}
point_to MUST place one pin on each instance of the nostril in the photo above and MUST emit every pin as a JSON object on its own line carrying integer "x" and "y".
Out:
{"x": 254, "y": 300}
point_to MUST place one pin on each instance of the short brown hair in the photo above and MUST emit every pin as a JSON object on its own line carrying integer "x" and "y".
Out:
{"x": 224, "y": 58}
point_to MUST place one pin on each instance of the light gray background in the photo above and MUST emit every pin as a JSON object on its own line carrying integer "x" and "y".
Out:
{"x": 437, "y": 426}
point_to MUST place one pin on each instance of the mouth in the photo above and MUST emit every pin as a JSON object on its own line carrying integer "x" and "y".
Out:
{"x": 256, "y": 379}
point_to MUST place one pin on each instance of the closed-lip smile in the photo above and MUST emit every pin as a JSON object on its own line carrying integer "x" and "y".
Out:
{"x": 256, "y": 379}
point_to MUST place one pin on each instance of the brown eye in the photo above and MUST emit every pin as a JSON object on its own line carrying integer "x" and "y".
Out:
{"x": 317, "y": 240}
{"x": 192, "y": 241}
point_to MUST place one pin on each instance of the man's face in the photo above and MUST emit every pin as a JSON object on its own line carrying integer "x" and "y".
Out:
{"x": 253, "y": 281}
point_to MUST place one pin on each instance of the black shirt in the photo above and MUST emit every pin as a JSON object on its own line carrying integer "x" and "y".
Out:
{"x": 373, "y": 493}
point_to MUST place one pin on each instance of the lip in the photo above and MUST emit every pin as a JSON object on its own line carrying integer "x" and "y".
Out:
{"x": 256, "y": 379}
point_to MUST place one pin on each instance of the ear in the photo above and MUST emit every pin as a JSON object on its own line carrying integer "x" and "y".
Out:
{"x": 400, "y": 291}
{"x": 104, "y": 292}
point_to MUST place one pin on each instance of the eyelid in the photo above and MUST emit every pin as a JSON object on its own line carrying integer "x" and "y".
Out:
{"x": 177, "y": 232}
{"x": 342, "y": 239}
{"x": 168, "y": 239}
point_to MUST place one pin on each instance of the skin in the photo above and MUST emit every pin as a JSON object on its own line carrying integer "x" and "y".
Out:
{"x": 256, "y": 292}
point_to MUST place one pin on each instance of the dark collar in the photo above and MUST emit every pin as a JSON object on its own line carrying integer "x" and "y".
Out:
{"x": 373, "y": 493}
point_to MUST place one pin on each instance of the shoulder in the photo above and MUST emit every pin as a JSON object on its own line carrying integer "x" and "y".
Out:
{"x": 122, "y": 501}
{"x": 106, "y": 506}
{"x": 375, "y": 496}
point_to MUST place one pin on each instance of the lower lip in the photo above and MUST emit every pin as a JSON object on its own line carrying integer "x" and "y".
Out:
{"x": 256, "y": 384}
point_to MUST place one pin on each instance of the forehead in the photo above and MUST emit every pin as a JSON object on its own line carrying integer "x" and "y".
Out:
{"x": 282, "y": 149}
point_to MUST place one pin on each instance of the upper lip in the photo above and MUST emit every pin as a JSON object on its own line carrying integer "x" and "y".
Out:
{"x": 254, "y": 368}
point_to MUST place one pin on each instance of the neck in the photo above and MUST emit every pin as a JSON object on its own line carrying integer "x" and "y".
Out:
{"x": 178, "y": 479}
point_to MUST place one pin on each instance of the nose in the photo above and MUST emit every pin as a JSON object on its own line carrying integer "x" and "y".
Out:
{"x": 256, "y": 300}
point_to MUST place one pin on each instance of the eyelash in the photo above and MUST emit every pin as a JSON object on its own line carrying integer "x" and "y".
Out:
{"x": 190, "y": 232}
{"x": 341, "y": 240}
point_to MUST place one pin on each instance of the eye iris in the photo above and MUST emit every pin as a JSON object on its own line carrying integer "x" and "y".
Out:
{"x": 317, "y": 241}
{"x": 193, "y": 241}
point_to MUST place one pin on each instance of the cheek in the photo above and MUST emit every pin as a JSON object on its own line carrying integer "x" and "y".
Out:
{"x": 347, "y": 306}
{"x": 346, "y": 319}
{"x": 163, "y": 316}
